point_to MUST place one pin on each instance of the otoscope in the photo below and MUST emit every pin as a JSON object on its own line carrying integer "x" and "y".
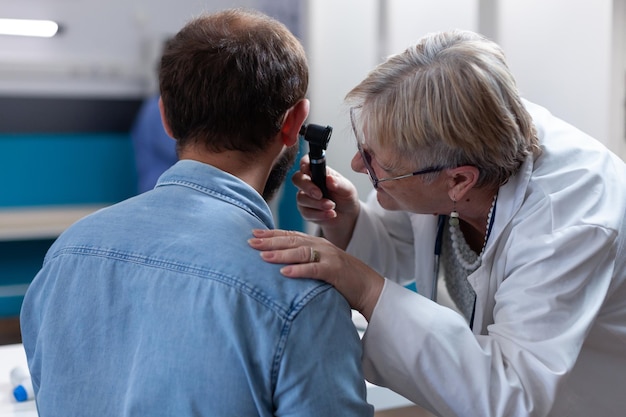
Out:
{"x": 318, "y": 138}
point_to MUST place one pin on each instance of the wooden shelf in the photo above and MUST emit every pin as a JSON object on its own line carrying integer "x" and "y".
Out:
{"x": 10, "y": 331}
{"x": 26, "y": 223}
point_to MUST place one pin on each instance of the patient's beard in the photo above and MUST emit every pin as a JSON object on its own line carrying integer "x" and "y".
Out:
{"x": 279, "y": 172}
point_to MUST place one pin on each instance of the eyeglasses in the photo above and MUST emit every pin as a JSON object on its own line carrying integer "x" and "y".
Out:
{"x": 367, "y": 160}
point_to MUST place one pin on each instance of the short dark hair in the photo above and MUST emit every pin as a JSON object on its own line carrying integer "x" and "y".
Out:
{"x": 228, "y": 78}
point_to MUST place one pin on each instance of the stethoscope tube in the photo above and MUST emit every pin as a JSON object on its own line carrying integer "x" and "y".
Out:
{"x": 441, "y": 221}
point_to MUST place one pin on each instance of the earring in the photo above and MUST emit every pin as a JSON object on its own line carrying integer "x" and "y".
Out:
{"x": 454, "y": 215}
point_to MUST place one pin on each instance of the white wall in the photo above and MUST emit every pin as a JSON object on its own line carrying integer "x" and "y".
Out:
{"x": 565, "y": 56}
{"x": 106, "y": 47}
{"x": 408, "y": 20}
{"x": 341, "y": 41}
{"x": 346, "y": 39}
{"x": 617, "y": 139}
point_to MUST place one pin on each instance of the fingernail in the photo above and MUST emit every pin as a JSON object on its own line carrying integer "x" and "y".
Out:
{"x": 328, "y": 205}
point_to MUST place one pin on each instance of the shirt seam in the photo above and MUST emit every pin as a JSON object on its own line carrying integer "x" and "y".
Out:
{"x": 286, "y": 314}
{"x": 212, "y": 192}
{"x": 284, "y": 334}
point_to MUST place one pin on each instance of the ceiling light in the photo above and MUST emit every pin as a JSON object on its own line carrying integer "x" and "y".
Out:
{"x": 28, "y": 27}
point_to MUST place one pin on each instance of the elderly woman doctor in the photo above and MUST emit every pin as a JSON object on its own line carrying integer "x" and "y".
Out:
{"x": 519, "y": 212}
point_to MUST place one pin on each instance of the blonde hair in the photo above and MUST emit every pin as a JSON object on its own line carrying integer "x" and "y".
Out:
{"x": 449, "y": 100}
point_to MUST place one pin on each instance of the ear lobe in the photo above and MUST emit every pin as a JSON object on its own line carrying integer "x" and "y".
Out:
{"x": 166, "y": 125}
{"x": 294, "y": 118}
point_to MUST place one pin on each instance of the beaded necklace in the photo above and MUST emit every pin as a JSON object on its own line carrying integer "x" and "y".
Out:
{"x": 456, "y": 235}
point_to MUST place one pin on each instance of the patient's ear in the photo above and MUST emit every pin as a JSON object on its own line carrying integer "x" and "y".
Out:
{"x": 166, "y": 125}
{"x": 294, "y": 118}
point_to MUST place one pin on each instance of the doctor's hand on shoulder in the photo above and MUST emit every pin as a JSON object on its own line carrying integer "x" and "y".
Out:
{"x": 309, "y": 256}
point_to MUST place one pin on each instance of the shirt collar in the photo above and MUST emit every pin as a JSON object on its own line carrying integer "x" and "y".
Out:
{"x": 219, "y": 184}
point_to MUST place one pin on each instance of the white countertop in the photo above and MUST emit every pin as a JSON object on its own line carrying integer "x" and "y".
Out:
{"x": 12, "y": 356}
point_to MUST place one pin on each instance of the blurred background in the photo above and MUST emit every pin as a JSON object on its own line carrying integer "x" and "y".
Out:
{"x": 68, "y": 102}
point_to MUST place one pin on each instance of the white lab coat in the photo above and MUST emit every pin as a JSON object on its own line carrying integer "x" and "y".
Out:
{"x": 549, "y": 335}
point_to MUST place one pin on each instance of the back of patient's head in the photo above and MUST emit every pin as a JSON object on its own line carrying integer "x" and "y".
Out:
{"x": 227, "y": 79}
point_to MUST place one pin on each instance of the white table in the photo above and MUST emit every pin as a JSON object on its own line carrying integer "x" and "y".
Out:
{"x": 12, "y": 356}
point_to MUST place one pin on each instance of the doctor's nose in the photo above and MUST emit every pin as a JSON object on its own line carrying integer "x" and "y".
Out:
{"x": 357, "y": 164}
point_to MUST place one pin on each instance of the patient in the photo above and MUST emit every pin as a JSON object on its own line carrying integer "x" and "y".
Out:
{"x": 157, "y": 306}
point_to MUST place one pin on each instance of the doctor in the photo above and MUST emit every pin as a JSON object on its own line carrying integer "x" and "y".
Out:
{"x": 523, "y": 213}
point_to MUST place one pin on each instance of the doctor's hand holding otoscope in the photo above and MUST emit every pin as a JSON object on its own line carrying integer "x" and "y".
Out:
{"x": 318, "y": 137}
{"x": 326, "y": 198}
{"x": 329, "y": 200}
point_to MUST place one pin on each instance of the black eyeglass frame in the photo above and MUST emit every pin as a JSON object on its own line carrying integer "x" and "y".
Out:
{"x": 367, "y": 160}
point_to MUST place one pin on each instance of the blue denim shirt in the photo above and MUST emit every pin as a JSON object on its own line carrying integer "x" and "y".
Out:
{"x": 157, "y": 306}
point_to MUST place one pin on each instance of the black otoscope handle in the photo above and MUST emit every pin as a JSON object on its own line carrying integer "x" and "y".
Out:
{"x": 318, "y": 138}
{"x": 318, "y": 172}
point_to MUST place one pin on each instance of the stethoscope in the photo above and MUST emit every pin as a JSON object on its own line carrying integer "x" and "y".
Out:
{"x": 441, "y": 222}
